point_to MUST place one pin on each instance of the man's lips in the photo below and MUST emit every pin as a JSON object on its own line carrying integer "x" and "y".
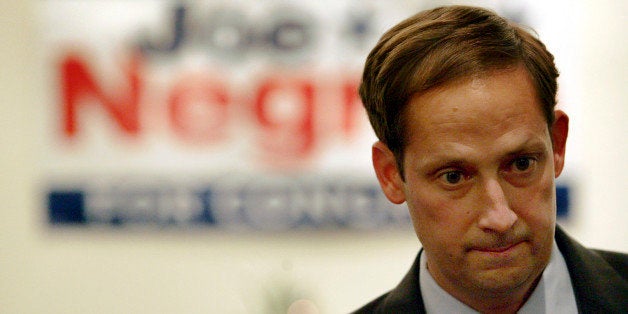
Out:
{"x": 497, "y": 248}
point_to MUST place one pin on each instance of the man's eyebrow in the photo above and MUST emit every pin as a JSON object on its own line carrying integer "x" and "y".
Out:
{"x": 454, "y": 158}
{"x": 531, "y": 145}
{"x": 442, "y": 161}
{"x": 445, "y": 162}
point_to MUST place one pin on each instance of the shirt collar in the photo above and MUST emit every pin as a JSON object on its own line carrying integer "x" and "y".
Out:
{"x": 553, "y": 294}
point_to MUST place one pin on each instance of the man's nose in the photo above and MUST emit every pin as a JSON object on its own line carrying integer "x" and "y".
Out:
{"x": 497, "y": 216}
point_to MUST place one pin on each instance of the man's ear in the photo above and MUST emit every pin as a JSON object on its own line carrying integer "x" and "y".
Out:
{"x": 388, "y": 175}
{"x": 560, "y": 128}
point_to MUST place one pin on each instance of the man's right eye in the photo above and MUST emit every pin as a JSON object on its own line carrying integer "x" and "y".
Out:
{"x": 452, "y": 177}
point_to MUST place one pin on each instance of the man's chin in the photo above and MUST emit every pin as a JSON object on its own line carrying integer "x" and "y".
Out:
{"x": 504, "y": 280}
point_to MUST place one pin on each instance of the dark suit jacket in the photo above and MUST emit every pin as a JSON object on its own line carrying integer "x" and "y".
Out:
{"x": 599, "y": 279}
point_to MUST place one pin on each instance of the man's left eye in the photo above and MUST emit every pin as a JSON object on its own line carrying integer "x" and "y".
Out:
{"x": 523, "y": 163}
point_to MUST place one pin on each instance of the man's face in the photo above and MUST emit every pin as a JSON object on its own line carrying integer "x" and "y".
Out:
{"x": 479, "y": 182}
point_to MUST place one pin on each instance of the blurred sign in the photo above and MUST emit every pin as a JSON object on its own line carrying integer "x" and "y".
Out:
{"x": 236, "y": 115}
{"x": 230, "y": 114}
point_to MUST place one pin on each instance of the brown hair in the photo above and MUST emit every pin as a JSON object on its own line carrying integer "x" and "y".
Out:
{"x": 438, "y": 46}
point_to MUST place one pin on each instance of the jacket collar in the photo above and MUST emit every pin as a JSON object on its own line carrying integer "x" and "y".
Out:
{"x": 597, "y": 285}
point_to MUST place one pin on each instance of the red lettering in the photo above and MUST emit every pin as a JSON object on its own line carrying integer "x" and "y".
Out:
{"x": 80, "y": 88}
{"x": 292, "y": 118}
{"x": 285, "y": 111}
{"x": 352, "y": 106}
{"x": 197, "y": 109}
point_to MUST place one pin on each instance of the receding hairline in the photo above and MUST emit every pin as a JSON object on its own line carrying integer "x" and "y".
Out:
{"x": 484, "y": 73}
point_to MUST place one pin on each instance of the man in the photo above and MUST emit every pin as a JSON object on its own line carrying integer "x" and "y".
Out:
{"x": 462, "y": 102}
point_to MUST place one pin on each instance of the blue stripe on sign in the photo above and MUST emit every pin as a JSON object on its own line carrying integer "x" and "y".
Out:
{"x": 562, "y": 201}
{"x": 66, "y": 207}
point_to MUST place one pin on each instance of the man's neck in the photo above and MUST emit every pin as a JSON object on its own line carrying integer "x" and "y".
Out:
{"x": 504, "y": 303}
{"x": 508, "y": 302}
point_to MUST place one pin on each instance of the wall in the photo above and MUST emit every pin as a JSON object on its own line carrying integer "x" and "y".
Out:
{"x": 204, "y": 271}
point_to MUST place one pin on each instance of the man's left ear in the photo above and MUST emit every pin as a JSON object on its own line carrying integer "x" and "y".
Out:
{"x": 560, "y": 128}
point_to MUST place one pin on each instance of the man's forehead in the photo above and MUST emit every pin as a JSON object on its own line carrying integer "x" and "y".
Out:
{"x": 499, "y": 95}
{"x": 476, "y": 78}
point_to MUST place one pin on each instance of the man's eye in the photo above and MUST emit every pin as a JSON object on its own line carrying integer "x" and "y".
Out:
{"x": 452, "y": 177}
{"x": 522, "y": 164}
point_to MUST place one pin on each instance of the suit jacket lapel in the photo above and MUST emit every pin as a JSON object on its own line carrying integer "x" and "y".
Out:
{"x": 406, "y": 297}
{"x": 597, "y": 286}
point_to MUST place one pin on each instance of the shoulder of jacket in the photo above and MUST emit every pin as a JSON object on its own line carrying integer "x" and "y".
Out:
{"x": 617, "y": 260}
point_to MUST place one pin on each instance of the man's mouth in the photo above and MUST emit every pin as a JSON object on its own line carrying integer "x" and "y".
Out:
{"x": 498, "y": 249}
